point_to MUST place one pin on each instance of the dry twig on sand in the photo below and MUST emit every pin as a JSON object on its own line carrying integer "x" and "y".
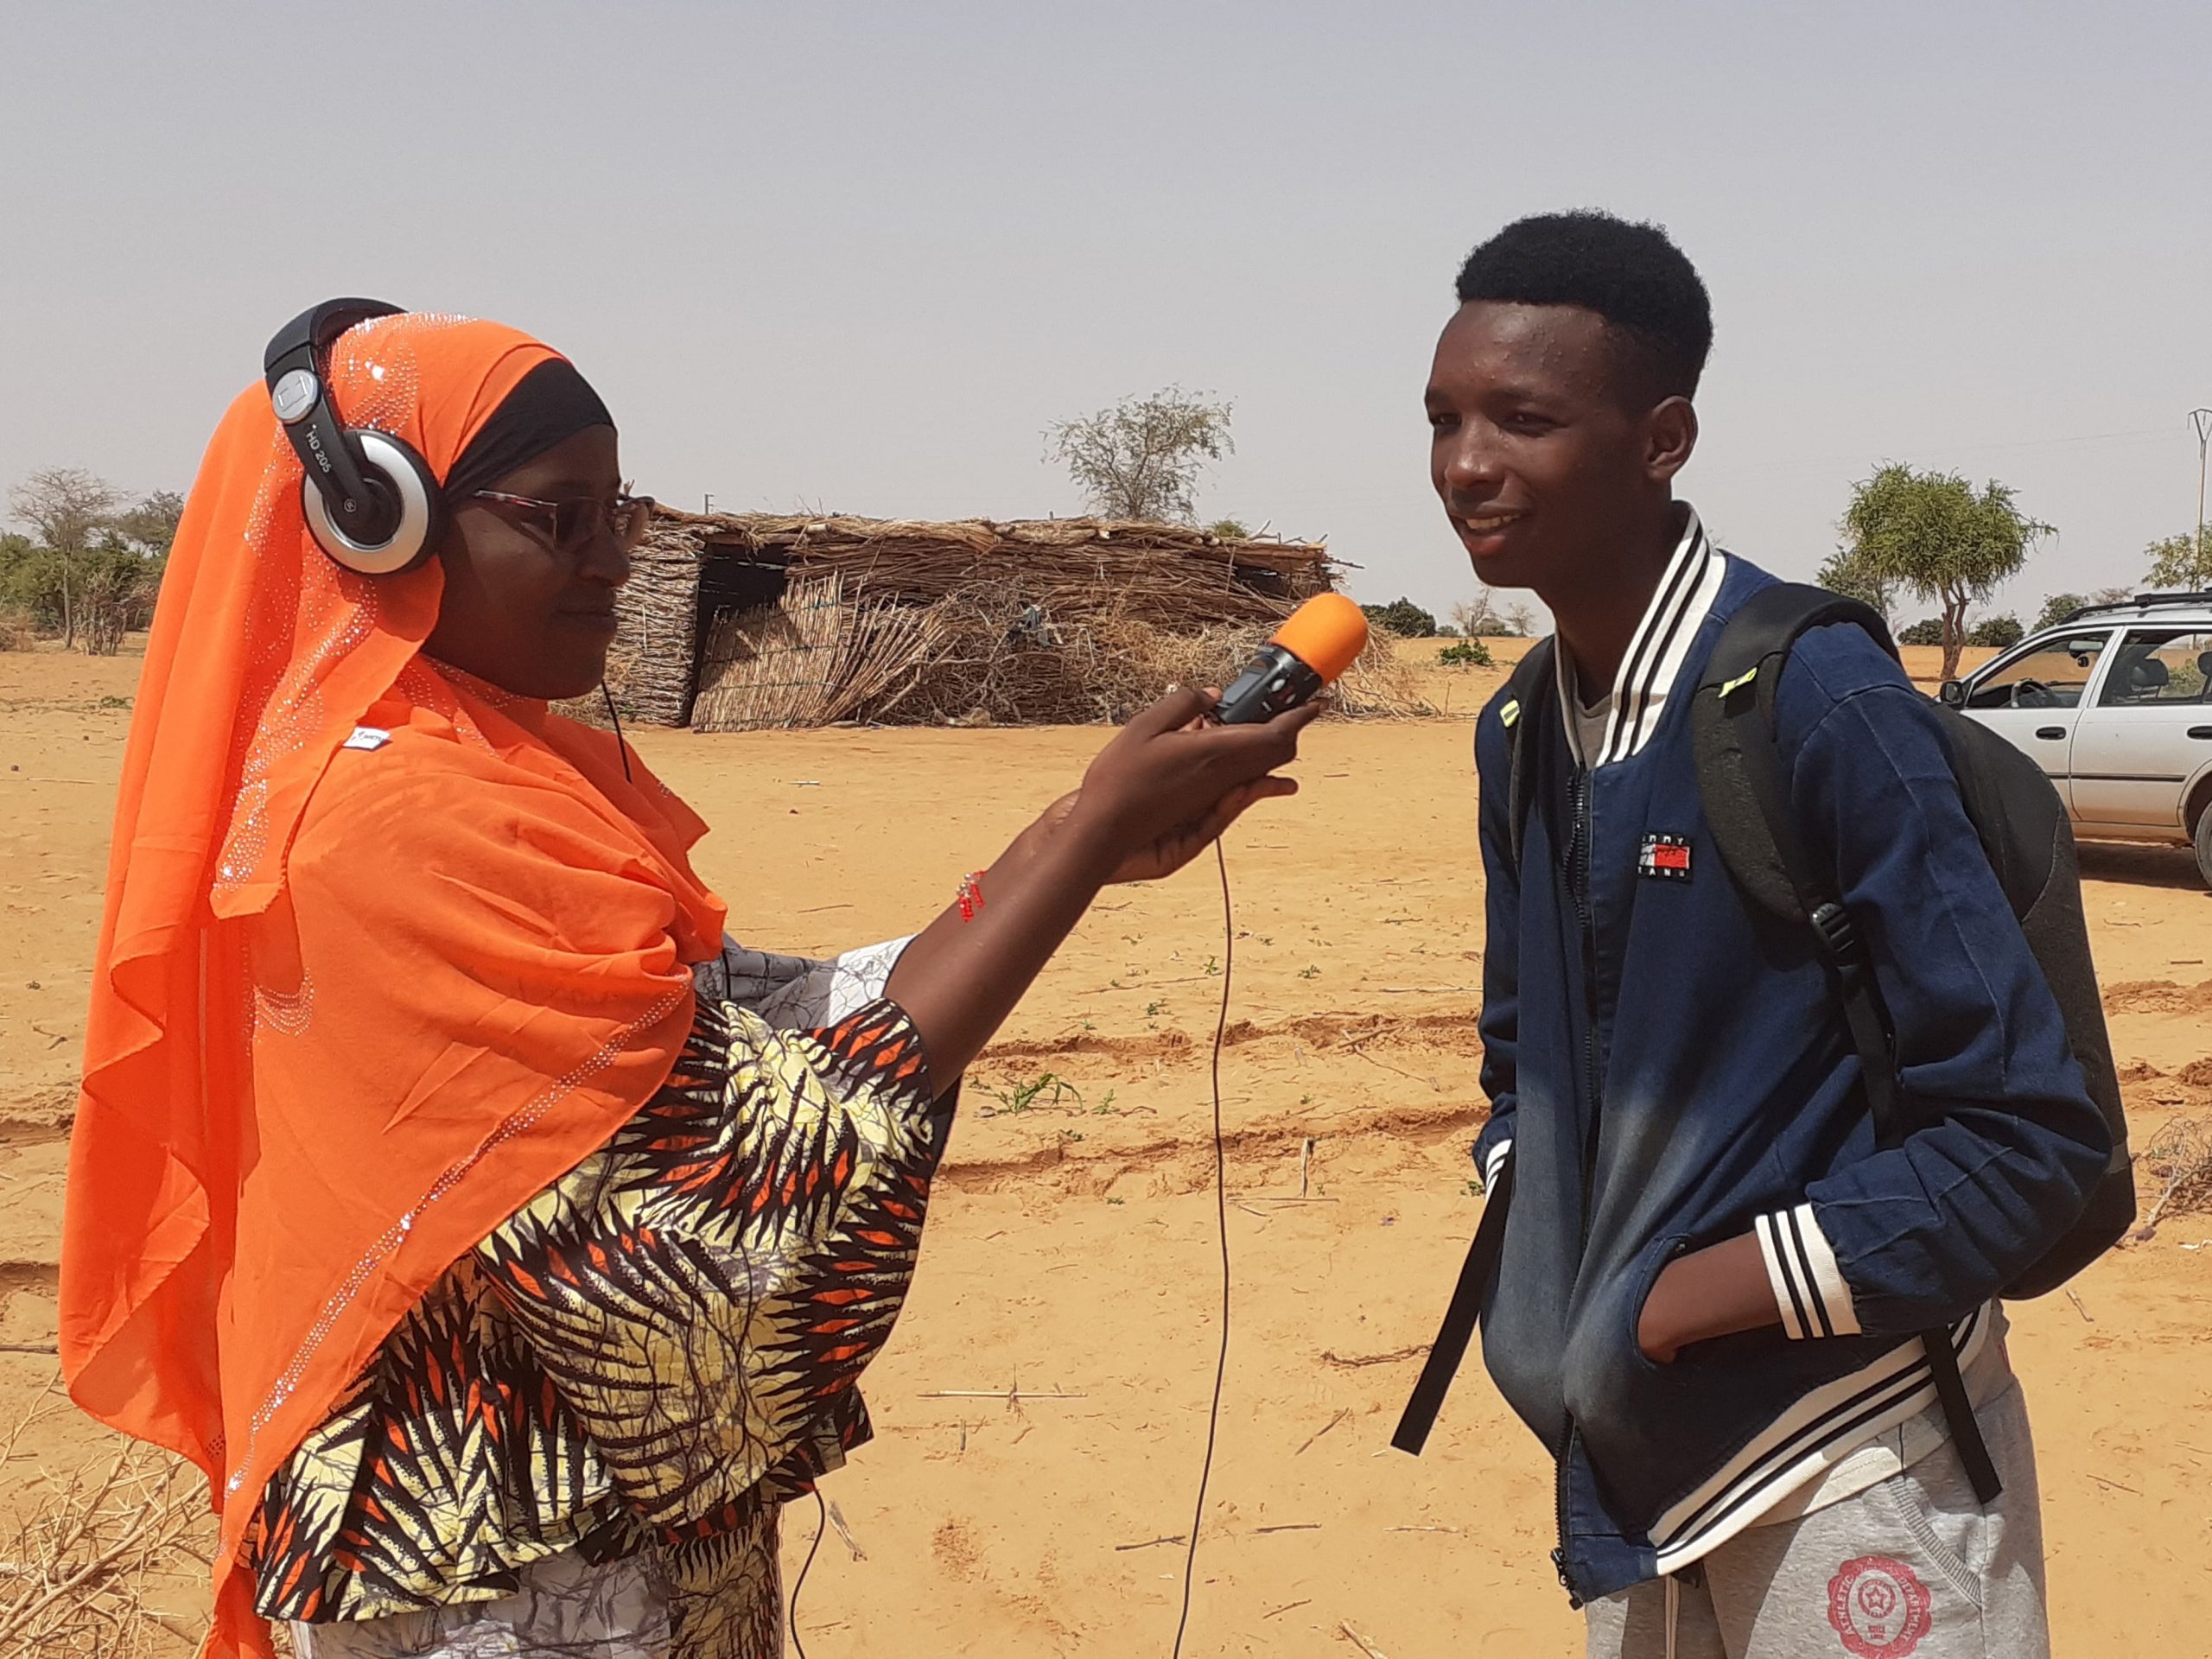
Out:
{"x": 837, "y": 1520}
{"x": 2180, "y": 1155}
{"x": 1324, "y": 1429}
{"x": 78, "y": 1556}
{"x": 1330, "y": 1356}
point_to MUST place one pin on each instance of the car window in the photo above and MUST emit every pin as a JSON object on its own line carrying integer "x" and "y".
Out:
{"x": 2053, "y": 675}
{"x": 2159, "y": 665}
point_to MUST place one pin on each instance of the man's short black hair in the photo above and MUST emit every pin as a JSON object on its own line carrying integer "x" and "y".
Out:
{"x": 1631, "y": 275}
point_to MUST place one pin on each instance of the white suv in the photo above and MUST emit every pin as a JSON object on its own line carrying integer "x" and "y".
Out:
{"x": 2115, "y": 702}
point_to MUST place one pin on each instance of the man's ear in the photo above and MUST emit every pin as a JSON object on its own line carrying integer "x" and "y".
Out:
{"x": 1670, "y": 435}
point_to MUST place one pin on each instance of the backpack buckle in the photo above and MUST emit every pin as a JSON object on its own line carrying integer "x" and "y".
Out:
{"x": 1833, "y": 923}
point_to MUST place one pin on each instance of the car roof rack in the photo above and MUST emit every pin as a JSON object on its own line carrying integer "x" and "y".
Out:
{"x": 2140, "y": 602}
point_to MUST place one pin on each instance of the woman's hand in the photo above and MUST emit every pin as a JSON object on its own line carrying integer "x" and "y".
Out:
{"x": 1170, "y": 782}
{"x": 1166, "y": 785}
{"x": 1178, "y": 845}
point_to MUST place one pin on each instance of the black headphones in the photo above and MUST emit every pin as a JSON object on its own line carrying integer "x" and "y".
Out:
{"x": 372, "y": 502}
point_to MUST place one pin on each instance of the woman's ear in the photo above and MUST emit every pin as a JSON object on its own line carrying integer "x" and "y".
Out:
{"x": 1670, "y": 435}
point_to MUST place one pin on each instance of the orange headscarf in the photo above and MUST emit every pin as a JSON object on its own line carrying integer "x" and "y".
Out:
{"x": 358, "y": 997}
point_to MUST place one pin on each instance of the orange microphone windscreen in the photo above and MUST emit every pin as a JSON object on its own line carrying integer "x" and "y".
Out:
{"x": 1325, "y": 633}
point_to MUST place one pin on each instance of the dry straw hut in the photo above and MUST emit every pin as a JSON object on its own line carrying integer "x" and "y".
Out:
{"x": 736, "y": 621}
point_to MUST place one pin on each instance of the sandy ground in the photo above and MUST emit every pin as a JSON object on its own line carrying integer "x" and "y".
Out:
{"x": 1070, "y": 1252}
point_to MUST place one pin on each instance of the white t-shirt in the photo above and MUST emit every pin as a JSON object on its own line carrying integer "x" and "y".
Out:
{"x": 1590, "y": 719}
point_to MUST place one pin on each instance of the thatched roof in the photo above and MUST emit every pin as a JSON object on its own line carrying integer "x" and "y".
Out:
{"x": 918, "y": 561}
{"x": 977, "y": 576}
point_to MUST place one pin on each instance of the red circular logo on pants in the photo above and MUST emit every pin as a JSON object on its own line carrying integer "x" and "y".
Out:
{"x": 1879, "y": 1607}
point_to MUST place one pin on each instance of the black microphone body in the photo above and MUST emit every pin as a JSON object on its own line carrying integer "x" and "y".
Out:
{"x": 1276, "y": 679}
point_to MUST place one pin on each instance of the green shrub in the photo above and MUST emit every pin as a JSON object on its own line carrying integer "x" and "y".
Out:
{"x": 1403, "y": 618}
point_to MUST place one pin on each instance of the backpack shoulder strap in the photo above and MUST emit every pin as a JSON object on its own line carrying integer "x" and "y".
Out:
{"x": 1746, "y": 794}
{"x": 1476, "y": 1275}
{"x": 1532, "y": 680}
{"x": 1747, "y": 808}
{"x": 1521, "y": 713}
{"x": 1732, "y": 734}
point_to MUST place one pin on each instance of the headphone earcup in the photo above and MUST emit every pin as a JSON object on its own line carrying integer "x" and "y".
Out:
{"x": 391, "y": 462}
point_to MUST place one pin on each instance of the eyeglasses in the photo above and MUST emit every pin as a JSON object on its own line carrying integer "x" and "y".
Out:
{"x": 566, "y": 526}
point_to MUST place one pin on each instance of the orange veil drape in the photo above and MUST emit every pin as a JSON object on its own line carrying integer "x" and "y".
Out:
{"x": 355, "y": 1002}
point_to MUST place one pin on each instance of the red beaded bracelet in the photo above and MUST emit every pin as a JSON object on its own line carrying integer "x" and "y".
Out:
{"x": 971, "y": 895}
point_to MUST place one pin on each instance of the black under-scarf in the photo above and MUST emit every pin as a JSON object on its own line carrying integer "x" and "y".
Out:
{"x": 548, "y": 405}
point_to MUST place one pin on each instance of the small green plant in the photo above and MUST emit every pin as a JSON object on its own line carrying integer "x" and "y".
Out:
{"x": 1046, "y": 1088}
{"x": 1474, "y": 1189}
{"x": 115, "y": 702}
{"x": 1105, "y": 1106}
{"x": 1311, "y": 970}
{"x": 1470, "y": 653}
{"x": 1213, "y": 964}
{"x": 1116, "y": 1201}
{"x": 1152, "y": 1010}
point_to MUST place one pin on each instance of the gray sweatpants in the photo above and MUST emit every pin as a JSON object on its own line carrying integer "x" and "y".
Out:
{"x": 1912, "y": 1566}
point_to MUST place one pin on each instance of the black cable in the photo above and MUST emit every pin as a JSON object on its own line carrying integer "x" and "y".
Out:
{"x": 1221, "y": 1221}
{"x": 615, "y": 714}
{"x": 821, "y": 1526}
{"x": 1221, "y": 1225}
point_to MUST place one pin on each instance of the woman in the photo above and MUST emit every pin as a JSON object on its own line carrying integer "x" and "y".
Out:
{"x": 502, "y": 1242}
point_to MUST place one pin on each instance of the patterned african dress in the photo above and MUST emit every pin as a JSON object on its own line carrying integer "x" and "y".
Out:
{"x": 583, "y": 1434}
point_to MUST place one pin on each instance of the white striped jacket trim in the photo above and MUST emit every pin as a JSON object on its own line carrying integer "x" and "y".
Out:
{"x": 1687, "y": 592}
{"x": 1808, "y": 1286}
{"x": 1817, "y": 1432}
{"x": 1494, "y": 1163}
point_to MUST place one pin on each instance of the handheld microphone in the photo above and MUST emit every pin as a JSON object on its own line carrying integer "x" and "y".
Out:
{"x": 1315, "y": 643}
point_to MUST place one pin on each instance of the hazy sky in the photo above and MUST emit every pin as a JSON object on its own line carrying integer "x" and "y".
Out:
{"x": 854, "y": 255}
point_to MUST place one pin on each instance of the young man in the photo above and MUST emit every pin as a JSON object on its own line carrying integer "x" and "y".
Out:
{"x": 1712, "y": 1284}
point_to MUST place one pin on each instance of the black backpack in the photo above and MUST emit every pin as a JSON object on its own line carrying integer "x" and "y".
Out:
{"x": 2024, "y": 830}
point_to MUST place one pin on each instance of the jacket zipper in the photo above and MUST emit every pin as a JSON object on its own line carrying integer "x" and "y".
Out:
{"x": 1558, "y": 1508}
{"x": 1578, "y": 880}
{"x": 1579, "y": 862}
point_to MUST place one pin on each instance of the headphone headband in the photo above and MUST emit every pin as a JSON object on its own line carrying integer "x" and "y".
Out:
{"x": 372, "y": 513}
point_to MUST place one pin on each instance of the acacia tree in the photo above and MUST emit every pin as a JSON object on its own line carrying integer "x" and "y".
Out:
{"x": 1933, "y": 533}
{"x": 2173, "y": 566}
{"x": 1483, "y": 618}
{"x": 67, "y": 506}
{"x": 2056, "y": 608}
{"x": 1849, "y": 574}
{"x": 1142, "y": 458}
{"x": 150, "y": 526}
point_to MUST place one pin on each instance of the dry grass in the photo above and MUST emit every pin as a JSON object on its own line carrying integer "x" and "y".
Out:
{"x": 980, "y": 656}
{"x": 83, "y": 1548}
{"x": 17, "y": 630}
{"x": 2180, "y": 1157}
{"x": 973, "y": 622}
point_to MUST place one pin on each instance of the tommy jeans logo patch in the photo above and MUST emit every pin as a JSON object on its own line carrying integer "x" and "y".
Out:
{"x": 1665, "y": 858}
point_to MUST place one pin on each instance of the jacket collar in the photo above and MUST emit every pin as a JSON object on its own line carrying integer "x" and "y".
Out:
{"x": 1656, "y": 651}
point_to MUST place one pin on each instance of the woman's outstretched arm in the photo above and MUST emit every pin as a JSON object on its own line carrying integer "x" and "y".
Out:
{"x": 1156, "y": 795}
